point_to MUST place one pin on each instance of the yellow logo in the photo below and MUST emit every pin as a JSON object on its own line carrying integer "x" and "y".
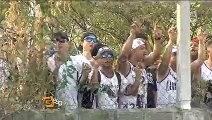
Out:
{"x": 49, "y": 101}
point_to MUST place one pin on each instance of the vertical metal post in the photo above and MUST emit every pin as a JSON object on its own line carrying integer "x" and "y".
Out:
{"x": 183, "y": 56}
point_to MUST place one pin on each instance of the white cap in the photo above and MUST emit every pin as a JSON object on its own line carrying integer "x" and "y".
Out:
{"x": 137, "y": 42}
{"x": 174, "y": 49}
{"x": 104, "y": 49}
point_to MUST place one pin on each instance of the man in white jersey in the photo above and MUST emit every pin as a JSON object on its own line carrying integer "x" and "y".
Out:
{"x": 62, "y": 51}
{"x": 74, "y": 70}
{"x": 58, "y": 64}
{"x": 112, "y": 84}
{"x": 206, "y": 74}
{"x": 134, "y": 53}
{"x": 197, "y": 52}
{"x": 166, "y": 74}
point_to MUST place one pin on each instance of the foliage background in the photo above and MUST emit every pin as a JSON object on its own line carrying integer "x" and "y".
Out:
{"x": 27, "y": 27}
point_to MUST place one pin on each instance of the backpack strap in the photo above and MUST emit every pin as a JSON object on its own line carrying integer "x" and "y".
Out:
{"x": 99, "y": 79}
{"x": 119, "y": 79}
{"x": 119, "y": 82}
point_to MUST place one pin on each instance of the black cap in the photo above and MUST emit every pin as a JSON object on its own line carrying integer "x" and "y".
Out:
{"x": 88, "y": 34}
{"x": 60, "y": 36}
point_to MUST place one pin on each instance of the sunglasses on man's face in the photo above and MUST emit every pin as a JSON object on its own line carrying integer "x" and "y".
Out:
{"x": 88, "y": 39}
{"x": 107, "y": 55}
{"x": 61, "y": 40}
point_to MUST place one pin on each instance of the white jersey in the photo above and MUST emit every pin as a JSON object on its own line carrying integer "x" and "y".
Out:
{"x": 167, "y": 92}
{"x": 206, "y": 73}
{"x": 130, "y": 101}
{"x": 108, "y": 93}
{"x": 69, "y": 73}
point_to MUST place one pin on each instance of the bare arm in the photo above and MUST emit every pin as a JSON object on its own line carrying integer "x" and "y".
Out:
{"x": 164, "y": 65}
{"x": 123, "y": 65}
{"x": 86, "y": 69}
{"x": 195, "y": 65}
{"x": 132, "y": 89}
{"x": 83, "y": 80}
{"x": 94, "y": 78}
{"x": 153, "y": 56}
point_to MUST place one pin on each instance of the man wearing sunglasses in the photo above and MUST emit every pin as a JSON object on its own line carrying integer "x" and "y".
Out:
{"x": 61, "y": 52}
{"x": 61, "y": 55}
{"x": 111, "y": 82}
{"x": 83, "y": 64}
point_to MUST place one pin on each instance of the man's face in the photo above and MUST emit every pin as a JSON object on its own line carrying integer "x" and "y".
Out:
{"x": 88, "y": 43}
{"x": 62, "y": 46}
{"x": 194, "y": 48}
{"x": 106, "y": 59}
{"x": 140, "y": 52}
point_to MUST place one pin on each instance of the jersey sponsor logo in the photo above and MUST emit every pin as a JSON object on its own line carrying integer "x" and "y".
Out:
{"x": 171, "y": 85}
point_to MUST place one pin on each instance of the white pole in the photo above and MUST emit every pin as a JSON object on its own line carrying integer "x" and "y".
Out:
{"x": 183, "y": 56}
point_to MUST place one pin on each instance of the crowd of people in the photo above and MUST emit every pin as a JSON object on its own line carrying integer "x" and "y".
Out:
{"x": 136, "y": 78}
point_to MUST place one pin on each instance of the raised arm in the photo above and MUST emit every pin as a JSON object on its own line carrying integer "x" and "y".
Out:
{"x": 164, "y": 65}
{"x": 86, "y": 69}
{"x": 155, "y": 54}
{"x": 132, "y": 89}
{"x": 94, "y": 78}
{"x": 195, "y": 65}
{"x": 123, "y": 64}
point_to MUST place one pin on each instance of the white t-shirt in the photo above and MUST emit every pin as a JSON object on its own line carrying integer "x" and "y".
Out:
{"x": 206, "y": 73}
{"x": 167, "y": 92}
{"x": 108, "y": 92}
{"x": 70, "y": 72}
{"x": 4, "y": 74}
{"x": 130, "y": 102}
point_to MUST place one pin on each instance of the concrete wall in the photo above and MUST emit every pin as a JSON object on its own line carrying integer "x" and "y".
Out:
{"x": 143, "y": 114}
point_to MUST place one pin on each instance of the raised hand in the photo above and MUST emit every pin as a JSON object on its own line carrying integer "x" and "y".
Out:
{"x": 138, "y": 71}
{"x": 202, "y": 36}
{"x": 172, "y": 32}
{"x": 86, "y": 69}
{"x": 158, "y": 33}
{"x": 94, "y": 63}
{"x": 136, "y": 29}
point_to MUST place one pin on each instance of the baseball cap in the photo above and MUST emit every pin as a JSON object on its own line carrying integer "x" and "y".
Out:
{"x": 60, "y": 36}
{"x": 104, "y": 49}
{"x": 174, "y": 49}
{"x": 196, "y": 40}
{"x": 137, "y": 42}
{"x": 88, "y": 34}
